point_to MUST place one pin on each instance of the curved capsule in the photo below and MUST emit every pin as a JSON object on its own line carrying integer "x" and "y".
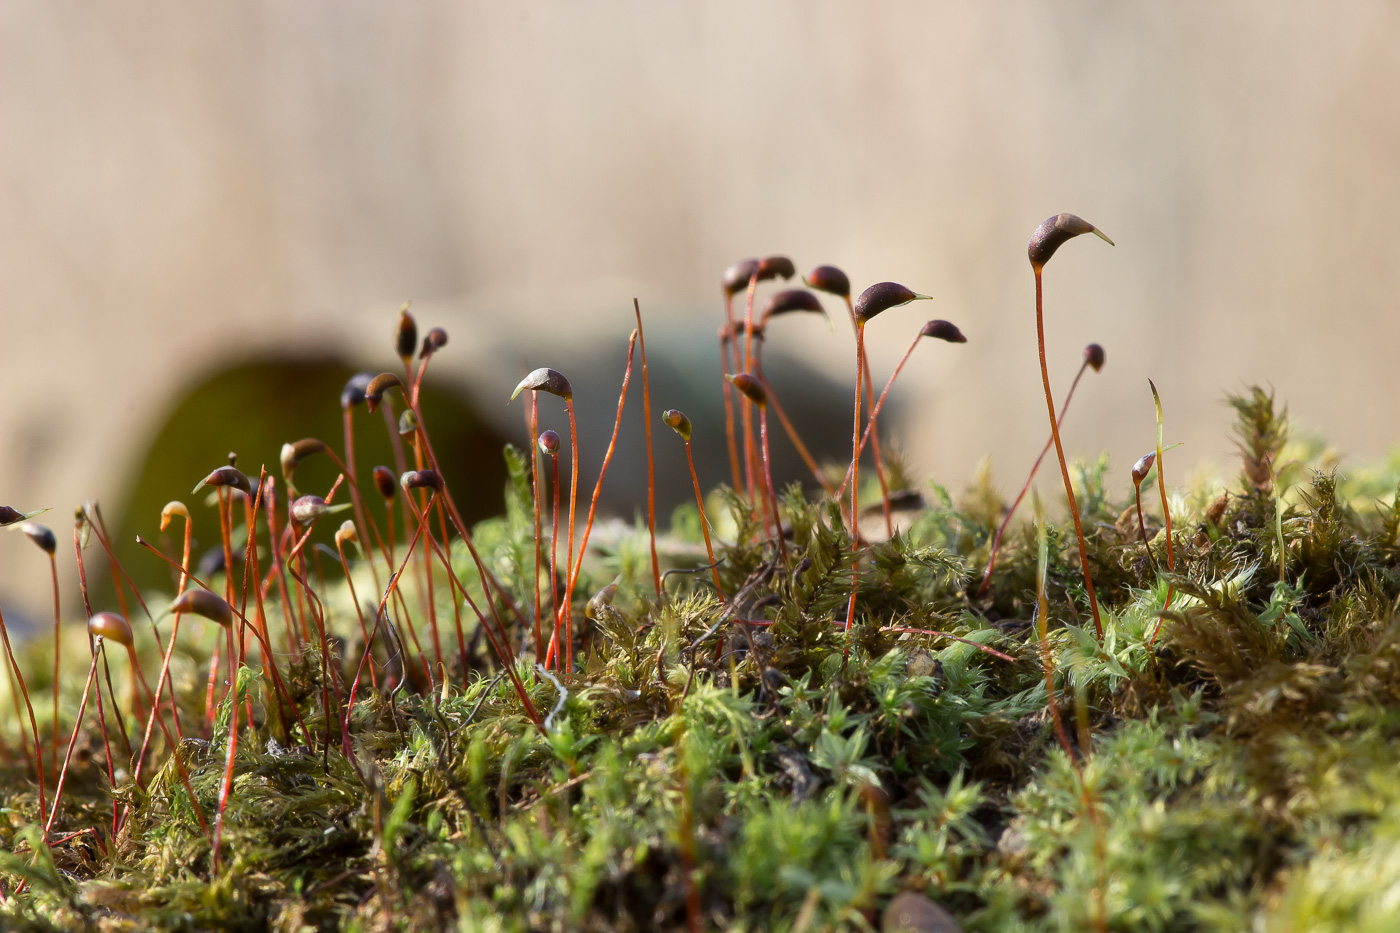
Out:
{"x": 829, "y": 279}
{"x": 346, "y": 532}
{"x": 110, "y": 626}
{"x": 881, "y": 297}
{"x": 435, "y": 340}
{"x": 545, "y": 380}
{"x": 600, "y": 602}
{"x": 943, "y": 330}
{"x": 9, "y": 516}
{"x": 354, "y": 392}
{"x": 173, "y": 508}
{"x": 736, "y": 277}
{"x": 296, "y": 451}
{"x": 771, "y": 267}
{"x": 549, "y": 443}
{"x": 1143, "y": 467}
{"x": 678, "y": 422}
{"x": 1095, "y": 356}
{"x": 752, "y": 388}
{"x": 204, "y": 603}
{"x": 41, "y": 535}
{"x": 309, "y": 508}
{"x": 790, "y": 301}
{"x": 1053, "y": 232}
{"x": 374, "y": 392}
{"x": 385, "y": 482}
{"x": 421, "y": 479}
{"x": 228, "y": 476}
{"x": 405, "y": 334}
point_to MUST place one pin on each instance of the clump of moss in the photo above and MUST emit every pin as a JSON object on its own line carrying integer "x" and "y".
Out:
{"x": 749, "y": 764}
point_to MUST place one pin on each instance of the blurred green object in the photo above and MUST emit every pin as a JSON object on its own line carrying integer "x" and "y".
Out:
{"x": 251, "y": 409}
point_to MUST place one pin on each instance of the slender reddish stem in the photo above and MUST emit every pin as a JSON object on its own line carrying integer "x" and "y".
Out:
{"x": 651, "y": 466}
{"x": 553, "y": 565}
{"x": 72, "y": 741}
{"x": 875, "y": 411}
{"x": 855, "y": 492}
{"x": 768, "y": 479}
{"x": 726, "y": 366}
{"x": 57, "y": 654}
{"x": 1060, "y": 453}
{"x": 165, "y": 660}
{"x": 875, "y": 435}
{"x": 33, "y": 726}
{"x": 746, "y": 406}
{"x": 535, "y": 465}
{"x": 577, "y": 563}
{"x": 704, "y": 522}
{"x": 1142, "y": 528}
{"x": 1006, "y": 521}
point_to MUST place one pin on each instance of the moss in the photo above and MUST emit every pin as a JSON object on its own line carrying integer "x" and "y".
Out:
{"x": 1238, "y": 773}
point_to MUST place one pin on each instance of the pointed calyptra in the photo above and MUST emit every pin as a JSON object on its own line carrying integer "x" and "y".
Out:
{"x": 228, "y": 476}
{"x": 1053, "y": 232}
{"x": 545, "y": 380}
{"x": 881, "y": 297}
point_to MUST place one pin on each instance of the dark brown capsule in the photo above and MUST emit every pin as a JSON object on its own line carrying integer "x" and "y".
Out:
{"x": 881, "y": 297}
{"x": 385, "y": 482}
{"x": 227, "y": 476}
{"x": 354, "y": 392}
{"x": 545, "y": 380}
{"x": 549, "y": 443}
{"x": 296, "y": 451}
{"x": 374, "y": 392}
{"x": 110, "y": 626}
{"x": 943, "y": 330}
{"x": 421, "y": 479}
{"x": 771, "y": 267}
{"x": 678, "y": 422}
{"x": 433, "y": 342}
{"x": 736, "y": 277}
{"x": 1051, "y": 234}
{"x": 734, "y": 330}
{"x": 405, "y": 335}
{"x": 1142, "y": 468}
{"x": 41, "y": 535}
{"x": 1095, "y": 356}
{"x": 9, "y": 516}
{"x": 829, "y": 279}
{"x": 790, "y": 301}
{"x": 752, "y": 388}
{"x": 206, "y": 604}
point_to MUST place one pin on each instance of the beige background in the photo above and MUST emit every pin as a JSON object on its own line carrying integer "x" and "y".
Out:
{"x": 184, "y": 183}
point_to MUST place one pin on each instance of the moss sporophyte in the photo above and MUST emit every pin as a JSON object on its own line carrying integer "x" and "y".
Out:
{"x": 776, "y": 715}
